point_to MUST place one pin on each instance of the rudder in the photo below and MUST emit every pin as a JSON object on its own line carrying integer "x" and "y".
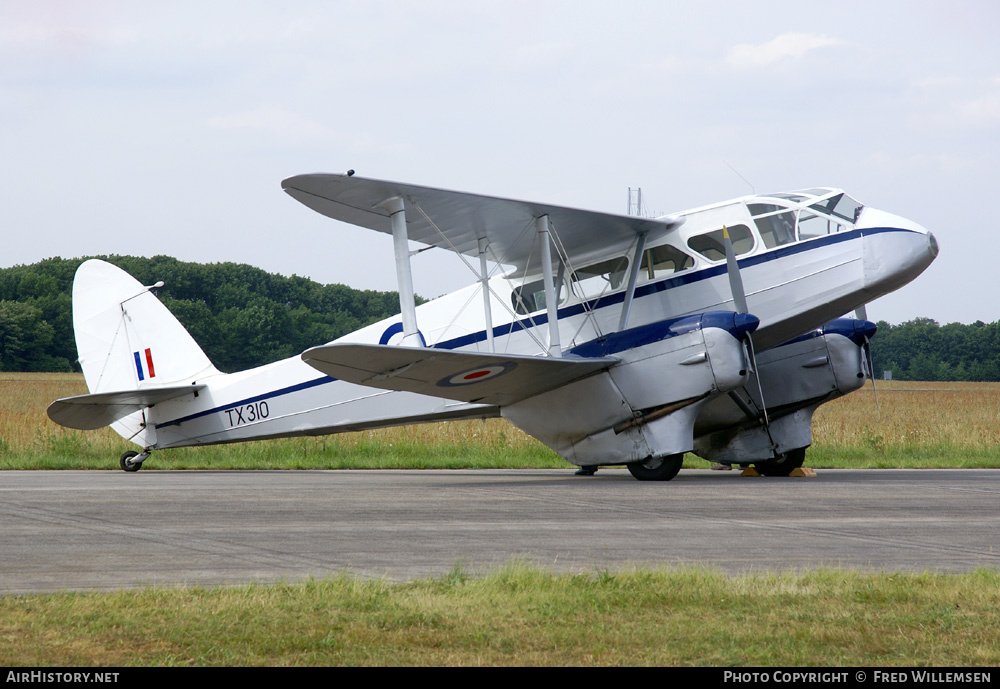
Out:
{"x": 127, "y": 339}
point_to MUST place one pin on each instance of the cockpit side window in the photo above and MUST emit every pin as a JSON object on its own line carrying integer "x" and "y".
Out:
{"x": 711, "y": 246}
{"x": 599, "y": 278}
{"x": 663, "y": 260}
{"x": 530, "y": 296}
{"x": 841, "y": 206}
{"x": 812, "y": 225}
{"x": 776, "y": 224}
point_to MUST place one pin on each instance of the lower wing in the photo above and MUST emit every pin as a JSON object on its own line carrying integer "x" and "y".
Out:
{"x": 497, "y": 379}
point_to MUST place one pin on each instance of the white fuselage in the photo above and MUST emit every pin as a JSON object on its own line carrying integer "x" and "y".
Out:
{"x": 791, "y": 287}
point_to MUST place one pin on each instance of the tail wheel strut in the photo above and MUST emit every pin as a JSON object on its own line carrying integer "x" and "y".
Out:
{"x": 132, "y": 460}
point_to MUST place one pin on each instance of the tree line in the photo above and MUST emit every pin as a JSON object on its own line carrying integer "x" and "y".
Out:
{"x": 922, "y": 349}
{"x": 244, "y": 317}
{"x": 240, "y": 315}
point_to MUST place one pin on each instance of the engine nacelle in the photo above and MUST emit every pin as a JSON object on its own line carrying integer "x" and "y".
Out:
{"x": 796, "y": 378}
{"x": 646, "y": 405}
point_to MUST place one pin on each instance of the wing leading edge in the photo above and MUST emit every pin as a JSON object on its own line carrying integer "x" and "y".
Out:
{"x": 463, "y": 218}
{"x": 497, "y": 379}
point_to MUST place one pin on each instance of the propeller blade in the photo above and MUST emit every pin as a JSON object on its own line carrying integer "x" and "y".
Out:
{"x": 740, "y": 302}
{"x": 753, "y": 366}
{"x": 735, "y": 279}
{"x": 869, "y": 329}
{"x": 866, "y": 349}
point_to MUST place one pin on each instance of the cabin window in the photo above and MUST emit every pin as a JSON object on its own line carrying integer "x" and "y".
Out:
{"x": 530, "y": 297}
{"x": 812, "y": 225}
{"x": 664, "y": 260}
{"x": 711, "y": 246}
{"x": 776, "y": 224}
{"x": 598, "y": 278}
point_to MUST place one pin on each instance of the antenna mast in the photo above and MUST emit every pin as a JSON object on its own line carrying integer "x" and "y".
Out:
{"x": 635, "y": 207}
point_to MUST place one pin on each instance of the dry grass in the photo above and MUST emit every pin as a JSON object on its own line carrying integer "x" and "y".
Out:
{"x": 919, "y": 425}
{"x": 26, "y": 430}
{"x": 29, "y": 439}
{"x": 924, "y": 424}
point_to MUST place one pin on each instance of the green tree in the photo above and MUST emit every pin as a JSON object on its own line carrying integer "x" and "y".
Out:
{"x": 25, "y": 338}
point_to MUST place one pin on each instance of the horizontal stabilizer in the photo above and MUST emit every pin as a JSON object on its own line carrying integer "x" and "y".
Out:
{"x": 90, "y": 412}
{"x": 467, "y": 376}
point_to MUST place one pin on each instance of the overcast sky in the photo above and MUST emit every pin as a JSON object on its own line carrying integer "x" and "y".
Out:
{"x": 166, "y": 128}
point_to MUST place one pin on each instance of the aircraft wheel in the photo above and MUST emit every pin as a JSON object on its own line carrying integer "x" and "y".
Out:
{"x": 656, "y": 468}
{"x": 126, "y": 461}
{"x": 783, "y": 465}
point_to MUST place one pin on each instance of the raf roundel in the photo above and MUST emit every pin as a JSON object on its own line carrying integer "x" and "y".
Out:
{"x": 476, "y": 375}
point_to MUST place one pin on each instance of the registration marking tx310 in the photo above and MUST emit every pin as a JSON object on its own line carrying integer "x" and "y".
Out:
{"x": 248, "y": 413}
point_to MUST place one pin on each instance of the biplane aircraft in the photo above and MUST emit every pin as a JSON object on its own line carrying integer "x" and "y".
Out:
{"x": 613, "y": 339}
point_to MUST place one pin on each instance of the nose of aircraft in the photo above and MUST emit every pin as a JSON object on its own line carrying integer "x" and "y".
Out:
{"x": 933, "y": 245}
{"x": 895, "y": 252}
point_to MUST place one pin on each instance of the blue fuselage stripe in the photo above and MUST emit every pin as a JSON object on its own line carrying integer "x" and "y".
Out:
{"x": 250, "y": 400}
{"x": 684, "y": 278}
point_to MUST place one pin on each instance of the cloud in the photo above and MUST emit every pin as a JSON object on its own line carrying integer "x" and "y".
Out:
{"x": 541, "y": 53}
{"x": 929, "y": 165}
{"x": 955, "y": 101}
{"x": 788, "y": 46}
{"x": 274, "y": 121}
{"x": 984, "y": 110}
{"x": 70, "y": 29}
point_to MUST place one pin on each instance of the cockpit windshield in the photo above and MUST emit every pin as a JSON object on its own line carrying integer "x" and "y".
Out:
{"x": 794, "y": 198}
{"x": 802, "y": 215}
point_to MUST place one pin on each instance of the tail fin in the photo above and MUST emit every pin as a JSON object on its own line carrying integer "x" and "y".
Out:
{"x": 126, "y": 339}
{"x": 132, "y": 350}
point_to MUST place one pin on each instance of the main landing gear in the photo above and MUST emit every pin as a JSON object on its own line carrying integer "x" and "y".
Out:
{"x": 665, "y": 468}
{"x": 132, "y": 460}
{"x": 656, "y": 468}
{"x": 783, "y": 465}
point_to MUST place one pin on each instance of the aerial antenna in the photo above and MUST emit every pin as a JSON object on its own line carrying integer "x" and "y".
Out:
{"x": 736, "y": 172}
{"x": 635, "y": 207}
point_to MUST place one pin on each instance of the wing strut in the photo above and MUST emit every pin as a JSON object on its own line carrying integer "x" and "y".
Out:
{"x": 633, "y": 276}
{"x": 485, "y": 281}
{"x": 551, "y": 298}
{"x": 404, "y": 278}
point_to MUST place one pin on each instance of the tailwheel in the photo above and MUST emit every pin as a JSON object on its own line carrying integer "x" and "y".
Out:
{"x": 783, "y": 465}
{"x": 656, "y": 468}
{"x": 132, "y": 460}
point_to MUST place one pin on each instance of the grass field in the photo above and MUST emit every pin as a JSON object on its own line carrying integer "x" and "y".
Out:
{"x": 919, "y": 425}
{"x": 523, "y": 616}
{"x": 520, "y": 615}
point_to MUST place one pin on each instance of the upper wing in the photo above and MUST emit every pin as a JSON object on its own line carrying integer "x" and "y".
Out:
{"x": 90, "y": 412}
{"x": 467, "y": 376}
{"x": 463, "y": 219}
